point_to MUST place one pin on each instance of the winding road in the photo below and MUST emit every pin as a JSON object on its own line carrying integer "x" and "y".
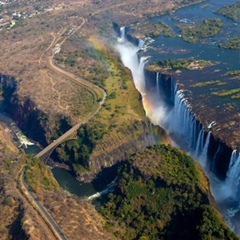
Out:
{"x": 33, "y": 199}
{"x": 98, "y": 93}
{"x": 95, "y": 90}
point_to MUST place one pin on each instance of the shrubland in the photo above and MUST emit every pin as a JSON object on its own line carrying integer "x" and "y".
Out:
{"x": 161, "y": 193}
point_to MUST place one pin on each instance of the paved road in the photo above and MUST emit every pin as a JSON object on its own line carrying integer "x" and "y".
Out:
{"x": 70, "y": 131}
{"x": 41, "y": 209}
{"x": 59, "y": 140}
{"x": 92, "y": 88}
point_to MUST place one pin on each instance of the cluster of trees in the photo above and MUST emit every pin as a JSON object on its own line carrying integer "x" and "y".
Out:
{"x": 162, "y": 194}
{"x": 182, "y": 63}
{"x": 94, "y": 69}
{"x": 208, "y": 28}
{"x": 157, "y": 29}
{"x": 234, "y": 93}
{"x": 77, "y": 152}
{"x": 233, "y": 43}
{"x": 38, "y": 176}
{"x": 231, "y": 11}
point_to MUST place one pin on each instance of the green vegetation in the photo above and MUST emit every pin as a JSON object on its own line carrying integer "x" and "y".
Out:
{"x": 233, "y": 43}
{"x": 194, "y": 32}
{"x": 122, "y": 106}
{"x": 77, "y": 152}
{"x": 232, "y": 73}
{"x": 89, "y": 62}
{"x": 155, "y": 29}
{"x": 175, "y": 64}
{"x": 236, "y": 96}
{"x": 231, "y": 11}
{"x": 38, "y": 175}
{"x": 234, "y": 93}
{"x": 162, "y": 194}
{"x": 203, "y": 84}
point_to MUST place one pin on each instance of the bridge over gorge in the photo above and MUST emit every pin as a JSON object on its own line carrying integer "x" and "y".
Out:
{"x": 70, "y": 134}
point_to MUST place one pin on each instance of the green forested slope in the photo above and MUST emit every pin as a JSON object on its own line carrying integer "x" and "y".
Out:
{"x": 162, "y": 194}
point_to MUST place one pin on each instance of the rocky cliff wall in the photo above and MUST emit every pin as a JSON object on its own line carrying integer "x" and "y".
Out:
{"x": 120, "y": 145}
{"x": 218, "y": 152}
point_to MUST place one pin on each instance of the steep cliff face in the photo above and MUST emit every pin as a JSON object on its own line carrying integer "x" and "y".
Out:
{"x": 184, "y": 125}
{"x": 120, "y": 145}
{"x": 37, "y": 125}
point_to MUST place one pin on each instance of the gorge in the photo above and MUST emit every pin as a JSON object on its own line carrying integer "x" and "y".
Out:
{"x": 198, "y": 106}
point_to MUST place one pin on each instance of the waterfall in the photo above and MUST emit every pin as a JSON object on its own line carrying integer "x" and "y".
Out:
{"x": 122, "y": 36}
{"x": 227, "y": 193}
{"x": 182, "y": 123}
{"x": 122, "y": 31}
{"x": 173, "y": 113}
{"x": 232, "y": 181}
{"x": 200, "y": 142}
{"x": 157, "y": 82}
{"x": 204, "y": 156}
{"x": 140, "y": 83}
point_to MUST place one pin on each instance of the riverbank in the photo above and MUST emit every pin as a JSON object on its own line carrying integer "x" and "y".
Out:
{"x": 212, "y": 92}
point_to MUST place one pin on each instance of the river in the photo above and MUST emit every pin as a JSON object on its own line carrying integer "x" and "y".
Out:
{"x": 172, "y": 48}
{"x": 177, "y": 118}
{"x": 65, "y": 179}
{"x": 205, "y": 49}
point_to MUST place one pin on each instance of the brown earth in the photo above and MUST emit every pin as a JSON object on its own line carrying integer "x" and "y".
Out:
{"x": 27, "y": 47}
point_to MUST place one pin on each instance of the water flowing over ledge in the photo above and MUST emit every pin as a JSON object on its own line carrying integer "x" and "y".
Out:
{"x": 165, "y": 104}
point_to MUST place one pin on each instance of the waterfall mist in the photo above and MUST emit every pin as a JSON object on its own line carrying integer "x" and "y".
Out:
{"x": 185, "y": 130}
{"x": 128, "y": 53}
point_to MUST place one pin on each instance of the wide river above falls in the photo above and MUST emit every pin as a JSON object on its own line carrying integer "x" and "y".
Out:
{"x": 206, "y": 100}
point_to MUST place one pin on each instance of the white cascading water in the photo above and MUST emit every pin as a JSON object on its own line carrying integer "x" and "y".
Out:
{"x": 232, "y": 181}
{"x": 203, "y": 157}
{"x": 157, "y": 83}
{"x": 227, "y": 193}
{"x": 200, "y": 144}
{"x": 23, "y": 140}
{"x": 180, "y": 122}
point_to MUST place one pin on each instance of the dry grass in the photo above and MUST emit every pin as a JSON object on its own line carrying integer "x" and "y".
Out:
{"x": 78, "y": 219}
{"x": 26, "y": 50}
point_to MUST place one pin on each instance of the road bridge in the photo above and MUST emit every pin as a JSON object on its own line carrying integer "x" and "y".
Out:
{"x": 70, "y": 134}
